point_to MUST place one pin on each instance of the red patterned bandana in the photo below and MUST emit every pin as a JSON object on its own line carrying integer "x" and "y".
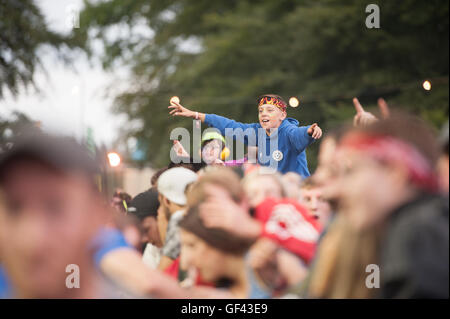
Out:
{"x": 390, "y": 150}
{"x": 273, "y": 101}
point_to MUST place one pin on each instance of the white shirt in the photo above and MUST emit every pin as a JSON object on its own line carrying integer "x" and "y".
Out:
{"x": 151, "y": 256}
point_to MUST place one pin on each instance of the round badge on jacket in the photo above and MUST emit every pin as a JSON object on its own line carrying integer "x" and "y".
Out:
{"x": 277, "y": 155}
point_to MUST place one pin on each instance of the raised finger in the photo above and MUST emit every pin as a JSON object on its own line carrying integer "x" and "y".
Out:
{"x": 358, "y": 107}
{"x": 384, "y": 108}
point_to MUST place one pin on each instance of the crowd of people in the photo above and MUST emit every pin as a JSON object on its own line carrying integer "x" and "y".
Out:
{"x": 370, "y": 222}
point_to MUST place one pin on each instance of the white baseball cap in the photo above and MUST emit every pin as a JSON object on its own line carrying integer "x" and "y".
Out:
{"x": 172, "y": 184}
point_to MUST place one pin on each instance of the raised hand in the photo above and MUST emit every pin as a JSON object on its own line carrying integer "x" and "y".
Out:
{"x": 364, "y": 118}
{"x": 384, "y": 108}
{"x": 220, "y": 211}
{"x": 179, "y": 149}
{"x": 315, "y": 131}
{"x": 179, "y": 110}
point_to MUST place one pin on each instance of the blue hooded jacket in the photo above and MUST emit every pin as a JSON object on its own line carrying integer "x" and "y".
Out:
{"x": 289, "y": 142}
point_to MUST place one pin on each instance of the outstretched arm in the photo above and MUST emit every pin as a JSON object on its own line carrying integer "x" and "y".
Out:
{"x": 125, "y": 267}
{"x": 219, "y": 122}
{"x": 179, "y": 110}
{"x": 314, "y": 131}
{"x": 301, "y": 137}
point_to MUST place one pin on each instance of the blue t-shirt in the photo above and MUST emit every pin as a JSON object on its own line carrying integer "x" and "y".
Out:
{"x": 107, "y": 240}
{"x": 5, "y": 287}
{"x": 289, "y": 142}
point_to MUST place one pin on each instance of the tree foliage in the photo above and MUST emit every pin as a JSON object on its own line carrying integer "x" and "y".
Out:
{"x": 218, "y": 56}
{"x": 23, "y": 31}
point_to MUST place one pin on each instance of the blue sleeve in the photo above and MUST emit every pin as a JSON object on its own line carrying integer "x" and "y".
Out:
{"x": 299, "y": 137}
{"x": 107, "y": 240}
{"x": 221, "y": 123}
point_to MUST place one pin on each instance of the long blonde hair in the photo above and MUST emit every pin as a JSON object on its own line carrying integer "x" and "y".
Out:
{"x": 342, "y": 258}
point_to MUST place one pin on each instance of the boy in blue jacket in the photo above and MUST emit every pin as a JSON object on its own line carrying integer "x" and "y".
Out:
{"x": 290, "y": 139}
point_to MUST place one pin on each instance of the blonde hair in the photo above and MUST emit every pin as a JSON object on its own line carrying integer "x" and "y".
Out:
{"x": 342, "y": 258}
{"x": 261, "y": 172}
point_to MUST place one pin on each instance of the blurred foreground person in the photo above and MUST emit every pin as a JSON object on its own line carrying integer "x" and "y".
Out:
{"x": 282, "y": 230}
{"x": 216, "y": 255}
{"x": 325, "y": 178}
{"x": 286, "y": 246}
{"x": 128, "y": 226}
{"x": 228, "y": 246}
{"x": 52, "y": 212}
{"x": 390, "y": 216}
{"x": 120, "y": 200}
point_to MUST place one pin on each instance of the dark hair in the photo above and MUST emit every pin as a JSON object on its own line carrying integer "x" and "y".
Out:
{"x": 124, "y": 198}
{"x": 155, "y": 176}
{"x": 195, "y": 167}
{"x": 215, "y": 237}
{"x": 122, "y": 195}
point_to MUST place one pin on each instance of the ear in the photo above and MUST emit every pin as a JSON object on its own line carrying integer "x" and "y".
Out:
{"x": 166, "y": 201}
{"x": 284, "y": 115}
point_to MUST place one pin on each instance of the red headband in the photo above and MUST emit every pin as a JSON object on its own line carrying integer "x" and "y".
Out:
{"x": 389, "y": 149}
{"x": 273, "y": 101}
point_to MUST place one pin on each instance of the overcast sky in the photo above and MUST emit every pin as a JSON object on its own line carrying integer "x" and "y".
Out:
{"x": 64, "y": 92}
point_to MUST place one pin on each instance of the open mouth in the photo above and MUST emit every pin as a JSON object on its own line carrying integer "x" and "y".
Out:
{"x": 265, "y": 121}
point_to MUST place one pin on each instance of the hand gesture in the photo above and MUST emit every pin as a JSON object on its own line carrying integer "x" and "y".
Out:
{"x": 179, "y": 149}
{"x": 364, "y": 118}
{"x": 220, "y": 211}
{"x": 315, "y": 131}
{"x": 179, "y": 110}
